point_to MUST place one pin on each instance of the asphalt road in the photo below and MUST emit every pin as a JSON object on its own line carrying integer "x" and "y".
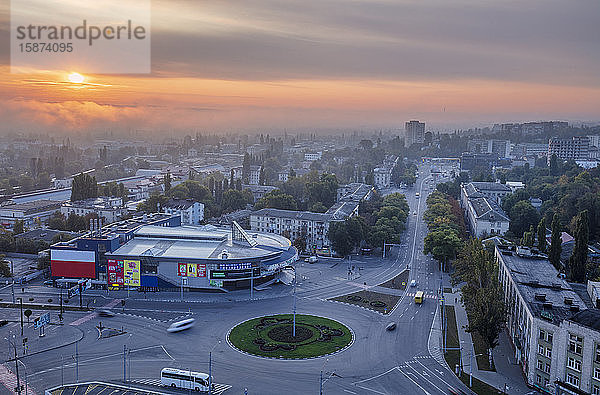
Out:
{"x": 378, "y": 362}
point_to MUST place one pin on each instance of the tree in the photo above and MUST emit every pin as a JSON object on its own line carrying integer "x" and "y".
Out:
{"x": 276, "y": 199}
{"x": 4, "y": 268}
{"x": 84, "y": 187}
{"x": 522, "y": 216}
{"x": 261, "y": 177}
{"x": 167, "y": 181}
{"x": 318, "y": 207}
{"x": 340, "y": 239}
{"x": 482, "y": 294}
{"x": 300, "y": 243}
{"x": 57, "y": 221}
{"x": 578, "y": 259}
{"x": 236, "y": 200}
{"x": 541, "y": 235}
{"x": 443, "y": 245}
{"x": 554, "y": 170}
{"x": 555, "y": 243}
{"x": 18, "y": 227}
{"x": 246, "y": 168}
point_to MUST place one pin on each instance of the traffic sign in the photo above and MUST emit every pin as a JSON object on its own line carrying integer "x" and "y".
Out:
{"x": 41, "y": 321}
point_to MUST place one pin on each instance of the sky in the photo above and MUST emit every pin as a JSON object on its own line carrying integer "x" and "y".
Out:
{"x": 249, "y": 65}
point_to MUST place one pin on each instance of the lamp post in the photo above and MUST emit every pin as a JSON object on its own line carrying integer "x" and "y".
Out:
{"x": 210, "y": 383}
{"x": 21, "y": 303}
{"x": 25, "y": 367}
{"x": 294, "y": 310}
{"x": 16, "y": 363}
{"x": 321, "y": 377}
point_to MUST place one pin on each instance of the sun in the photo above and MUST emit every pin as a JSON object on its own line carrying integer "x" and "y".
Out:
{"x": 76, "y": 78}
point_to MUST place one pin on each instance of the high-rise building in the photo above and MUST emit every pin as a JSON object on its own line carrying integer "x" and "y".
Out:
{"x": 576, "y": 148}
{"x": 415, "y": 133}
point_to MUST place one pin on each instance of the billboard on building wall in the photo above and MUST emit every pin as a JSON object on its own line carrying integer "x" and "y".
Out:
{"x": 131, "y": 272}
{"x": 115, "y": 273}
{"x": 191, "y": 270}
{"x": 73, "y": 264}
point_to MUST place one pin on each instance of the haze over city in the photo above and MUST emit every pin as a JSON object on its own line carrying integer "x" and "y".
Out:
{"x": 240, "y": 65}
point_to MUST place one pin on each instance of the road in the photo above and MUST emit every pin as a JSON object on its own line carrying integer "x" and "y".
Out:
{"x": 378, "y": 362}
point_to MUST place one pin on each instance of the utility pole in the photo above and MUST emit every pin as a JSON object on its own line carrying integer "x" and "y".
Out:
{"x": 16, "y": 365}
{"x": 124, "y": 363}
{"x": 21, "y": 302}
{"x": 295, "y": 282}
{"x": 77, "y": 361}
{"x": 62, "y": 371}
{"x": 251, "y": 282}
{"x": 210, "y": 372}
{"x": 12, "y": 274}
{"x": 80, "y": 297}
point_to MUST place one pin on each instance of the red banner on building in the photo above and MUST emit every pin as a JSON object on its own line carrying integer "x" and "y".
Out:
{"x": 201, "y": 272}
{"x": 114, "y": 271}
{"x": 182, "y": 269}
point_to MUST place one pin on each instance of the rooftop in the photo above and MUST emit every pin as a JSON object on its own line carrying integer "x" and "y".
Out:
{"x": 342, "y": 209}
{"x": 490, "y": 186}
{"x": 33, "y": 206}
{"x": 547, "y": 295}
{"x": 589, "y": 318}
{"x": 179, "y": 204}
{"x": 487, "y": 209}
{"x": 199, "y": 242}
{"x": 300, "y": 215}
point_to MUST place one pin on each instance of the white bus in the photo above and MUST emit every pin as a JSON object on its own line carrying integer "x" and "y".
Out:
{"x": 177, "y": 378}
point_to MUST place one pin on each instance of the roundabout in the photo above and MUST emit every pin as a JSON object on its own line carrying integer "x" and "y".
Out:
{"x": 273, "y": 336}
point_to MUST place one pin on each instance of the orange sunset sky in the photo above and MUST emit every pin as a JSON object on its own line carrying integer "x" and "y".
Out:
{"x": 253, "y": 64}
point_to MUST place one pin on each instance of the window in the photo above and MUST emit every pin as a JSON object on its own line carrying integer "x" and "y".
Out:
{"x": 549, "y": 352}
{"x": 547, "y": 370}
{"x": 540, "y": 365}
{"x": 595, "y": 390}
{"x": 538, "y": 378}
{"x": 575, "y": 344}
{"x": 540, "y": 350}
{"x": 598, "y": 353}
{"x": 597, "y": 373}
{"x": 574, "y": 364}
{"x": 573, "y": 380}
{"x": 542, "y": 334}
{"x": 549, "y": 337}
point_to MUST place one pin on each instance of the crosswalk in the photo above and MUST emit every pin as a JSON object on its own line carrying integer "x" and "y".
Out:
{"x": 429, "y": 296}
{"x": 218, "y": 389}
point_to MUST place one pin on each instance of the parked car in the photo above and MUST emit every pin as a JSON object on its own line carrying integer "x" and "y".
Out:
{"x": 181, "y": 325}
{"x": 365, "y": 251}
{"x": 311, "y": 259}
{"x": 413, "y": 283}
{"x": 391, "y": 326}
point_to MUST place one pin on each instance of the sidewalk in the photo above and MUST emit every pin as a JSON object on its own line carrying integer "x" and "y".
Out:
{"x": 507, "y": 372}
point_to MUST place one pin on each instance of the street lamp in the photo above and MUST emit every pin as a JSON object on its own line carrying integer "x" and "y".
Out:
{"x": 321, "y": 377}
{"x": 25, "y": 367}
{"x": 294, "y": 310}
{"x": 210, "y": 383}
{"x": 16, "y": 362}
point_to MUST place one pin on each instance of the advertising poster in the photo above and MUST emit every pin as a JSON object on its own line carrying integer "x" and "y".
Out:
{"x": 201, "y": 270}
{"x": 115, "y": 273}
{"x": 132, "y": 273}
{"x": 182, "y": 269}
{"x": 191, "y": 272}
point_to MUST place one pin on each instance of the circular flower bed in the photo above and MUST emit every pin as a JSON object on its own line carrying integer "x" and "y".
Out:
{"x": 273, "y": 336}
